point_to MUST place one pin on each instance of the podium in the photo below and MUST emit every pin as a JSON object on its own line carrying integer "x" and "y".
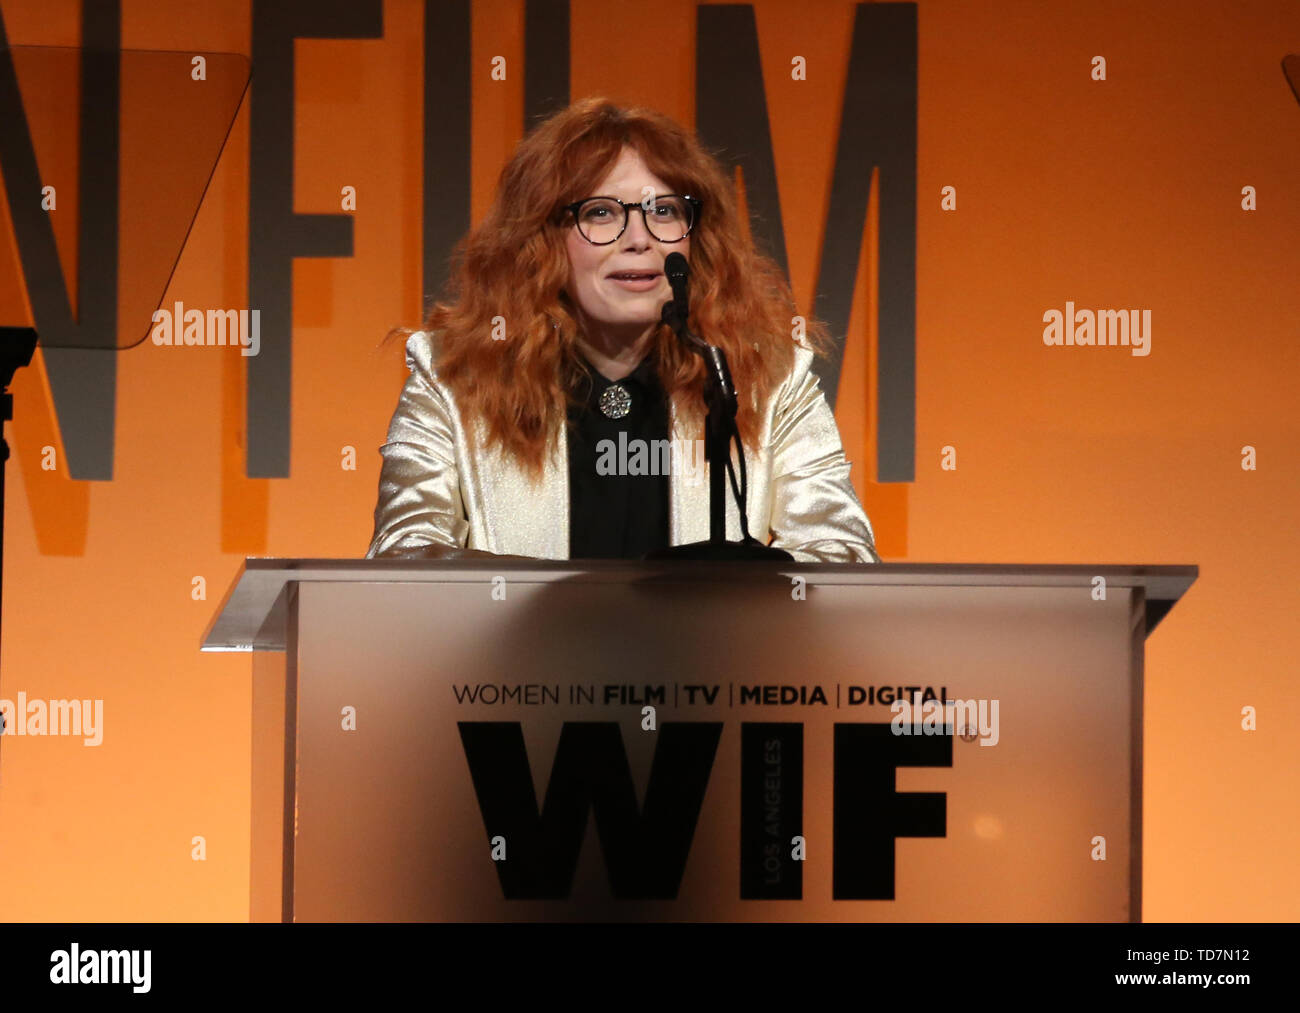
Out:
{"x": 483, "y": 740}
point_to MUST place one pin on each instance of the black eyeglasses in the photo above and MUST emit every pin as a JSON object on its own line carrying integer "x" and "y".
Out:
{"x": 601, "y": 220}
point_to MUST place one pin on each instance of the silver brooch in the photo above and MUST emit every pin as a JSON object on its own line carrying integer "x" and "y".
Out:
{"x": 615, "y": 402}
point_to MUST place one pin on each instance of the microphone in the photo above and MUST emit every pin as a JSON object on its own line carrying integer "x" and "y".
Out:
{"x": 675, "y": 312}
{"x": 678, "y": 272}
{"x": 720, "y": 431}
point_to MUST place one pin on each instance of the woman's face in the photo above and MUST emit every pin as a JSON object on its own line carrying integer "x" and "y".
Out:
{"x": 616, "y": 306}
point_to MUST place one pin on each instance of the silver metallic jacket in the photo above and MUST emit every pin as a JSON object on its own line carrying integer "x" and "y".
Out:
{"x": 437, "y": 495}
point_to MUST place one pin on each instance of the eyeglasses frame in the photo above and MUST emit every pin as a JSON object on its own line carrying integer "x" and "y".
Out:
{"x": 627, "y": 206}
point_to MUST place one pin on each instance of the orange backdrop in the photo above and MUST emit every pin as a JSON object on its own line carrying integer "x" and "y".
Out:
{"x": 1115, "y": 194}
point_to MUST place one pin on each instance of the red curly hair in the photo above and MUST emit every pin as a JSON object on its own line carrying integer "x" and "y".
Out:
{"x": 514, "y": 265}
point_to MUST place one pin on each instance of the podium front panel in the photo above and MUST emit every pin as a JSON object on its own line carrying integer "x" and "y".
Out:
{"x": 495, "y": 758}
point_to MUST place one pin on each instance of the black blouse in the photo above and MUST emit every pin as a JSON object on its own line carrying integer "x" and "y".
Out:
{"x": 614, "y": 514}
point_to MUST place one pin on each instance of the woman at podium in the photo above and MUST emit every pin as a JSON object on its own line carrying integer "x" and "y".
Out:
{"x": 551, "y": 414}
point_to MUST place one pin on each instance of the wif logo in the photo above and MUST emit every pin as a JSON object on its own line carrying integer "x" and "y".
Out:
{"x": 645, "y": 848}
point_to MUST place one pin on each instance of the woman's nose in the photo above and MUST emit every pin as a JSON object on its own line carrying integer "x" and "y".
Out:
{"x": 636, "y": 234}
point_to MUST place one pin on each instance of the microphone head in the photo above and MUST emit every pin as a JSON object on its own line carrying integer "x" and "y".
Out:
{"x": 676, "y": 268}
{"x": 677, "y": 308}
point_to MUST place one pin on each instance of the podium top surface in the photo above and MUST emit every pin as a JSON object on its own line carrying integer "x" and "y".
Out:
{"x": 252, "y": 614}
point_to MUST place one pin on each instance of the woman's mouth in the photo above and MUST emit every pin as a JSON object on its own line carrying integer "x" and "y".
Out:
{"x": 636, "y": 281}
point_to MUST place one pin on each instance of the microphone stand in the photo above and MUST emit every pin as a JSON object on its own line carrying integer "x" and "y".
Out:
{"x": 719, "y": 430}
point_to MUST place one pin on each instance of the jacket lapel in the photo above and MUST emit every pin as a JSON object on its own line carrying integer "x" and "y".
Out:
{"x": 521, "y": 517}
{"x": 688, "y": 501}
